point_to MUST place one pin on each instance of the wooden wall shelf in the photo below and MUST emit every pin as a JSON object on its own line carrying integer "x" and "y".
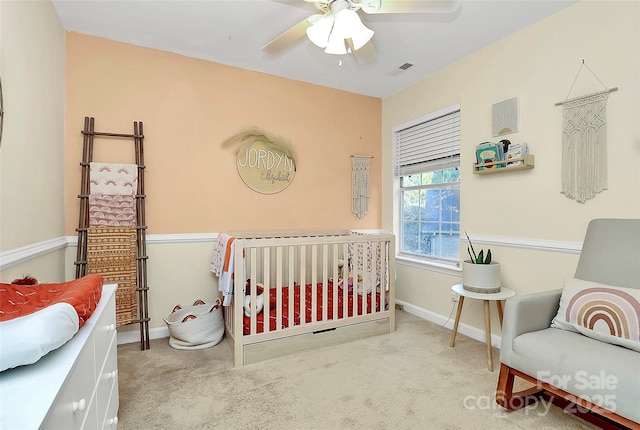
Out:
{"x": 529, "y": 161}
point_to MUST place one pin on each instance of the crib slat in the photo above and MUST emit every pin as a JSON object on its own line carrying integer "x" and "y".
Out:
{"x": 314, "y": 283}
{"x": 303, "y": 284}
{"x": 354, "y": 290}
{"x": 325, "y": 285}
{"x": 254, "y": 287}
{"x": 384, "y": 275}
{"x": 345, "y": 280}
{"x": 291, "y": 283}
{"x": 377, "y": 287}
{"x": 371, "y": 265}
{"x": 365, "y": 277}
{"x": 391, "y": 282}
{"x": 266, "y": 271}
{"x": 334, "y": 276}
{"x": 237, "y": 314}
{"x": 279, "y": 279}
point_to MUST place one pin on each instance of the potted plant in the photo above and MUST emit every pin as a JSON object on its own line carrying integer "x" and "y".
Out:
{"x": 480, "y": 274}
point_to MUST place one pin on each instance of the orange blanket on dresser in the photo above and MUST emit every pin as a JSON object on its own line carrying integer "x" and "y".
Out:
{"x": 21, "y": 300}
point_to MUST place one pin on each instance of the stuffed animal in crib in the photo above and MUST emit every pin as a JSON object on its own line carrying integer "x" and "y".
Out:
{"x": 256, "y": 307}
{"x": 341, "y": 275}
{"x": 340, "y": 270}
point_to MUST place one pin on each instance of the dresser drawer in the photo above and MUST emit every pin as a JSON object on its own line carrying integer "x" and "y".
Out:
{"x": 104, "y": 332}
{"x": 73, "y": 404}
{"x": 91, "y": 421}
{"x": 108, "y": 379}
{"x": 111, "y": 416}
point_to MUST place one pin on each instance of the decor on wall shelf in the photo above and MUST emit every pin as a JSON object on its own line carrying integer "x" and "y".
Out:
{"x": 504, "y": 117}
{"x": 527, "y": 162}
{"x": 584, "y": 142}
{"x": 503, "y": 156}
{"x": 265, "y": 162}
{"x": 360, "y": 184}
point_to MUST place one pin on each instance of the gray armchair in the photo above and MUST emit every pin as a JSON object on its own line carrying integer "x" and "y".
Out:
{"x": 572, "y": 369}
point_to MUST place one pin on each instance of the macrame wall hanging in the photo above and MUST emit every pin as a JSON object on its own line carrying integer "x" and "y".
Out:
{"x": 584, "y": 142}
{"x": 360, "y": 184}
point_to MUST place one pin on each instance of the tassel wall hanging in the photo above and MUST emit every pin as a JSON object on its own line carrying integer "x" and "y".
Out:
{"x": 360, "y": 185}
{"x": 584, "y": 143}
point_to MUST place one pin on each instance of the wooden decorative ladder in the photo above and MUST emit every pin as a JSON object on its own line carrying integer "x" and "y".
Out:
{"x": 83, "y": 225}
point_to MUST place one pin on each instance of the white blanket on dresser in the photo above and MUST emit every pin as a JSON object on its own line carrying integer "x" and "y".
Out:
{"x": 24, "y": 340}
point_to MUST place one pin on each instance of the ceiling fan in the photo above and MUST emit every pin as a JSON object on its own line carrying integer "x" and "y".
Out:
{"x": 339, "y": 30}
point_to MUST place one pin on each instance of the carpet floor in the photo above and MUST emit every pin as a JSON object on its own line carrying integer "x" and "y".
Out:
{"x": 409, "y": 379}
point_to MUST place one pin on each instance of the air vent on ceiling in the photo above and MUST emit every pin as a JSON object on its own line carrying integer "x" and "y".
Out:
{"x": 400, "y": 69}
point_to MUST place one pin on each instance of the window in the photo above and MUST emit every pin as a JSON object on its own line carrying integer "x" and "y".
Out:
{"x": 427, "y": 166}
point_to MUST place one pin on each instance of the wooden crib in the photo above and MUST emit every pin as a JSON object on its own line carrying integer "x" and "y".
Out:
{"x": 319, "y": 289}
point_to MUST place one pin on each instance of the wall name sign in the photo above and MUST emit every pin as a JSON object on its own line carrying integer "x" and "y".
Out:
{"x": 265, "y": 163}
{"x": 265, "y": 170}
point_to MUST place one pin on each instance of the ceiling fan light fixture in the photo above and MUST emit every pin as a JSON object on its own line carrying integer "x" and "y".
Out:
{"x": 361, "y": 36}
{"x": 320, "y": 31}
{"x": 336, "y": 45}
{"x": 347, "y": 25}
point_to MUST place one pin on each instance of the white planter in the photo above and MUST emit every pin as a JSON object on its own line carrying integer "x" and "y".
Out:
{"x": 481, "y": 278}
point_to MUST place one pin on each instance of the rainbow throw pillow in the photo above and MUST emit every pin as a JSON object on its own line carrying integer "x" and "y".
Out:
{"x": 603, "y": 312}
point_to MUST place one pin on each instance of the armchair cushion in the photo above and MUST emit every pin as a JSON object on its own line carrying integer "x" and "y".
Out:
{"x": 604, "y": 374}
{"x": 602, "y": 312}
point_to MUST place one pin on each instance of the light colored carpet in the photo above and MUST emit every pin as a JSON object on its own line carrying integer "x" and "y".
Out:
{"x": 410, "y": 379}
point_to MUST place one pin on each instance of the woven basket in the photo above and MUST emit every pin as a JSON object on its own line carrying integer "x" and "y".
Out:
{"x": 195, "y": 327}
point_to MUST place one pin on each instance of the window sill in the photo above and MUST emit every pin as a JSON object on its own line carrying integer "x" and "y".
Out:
{"x": 448, "y": 269}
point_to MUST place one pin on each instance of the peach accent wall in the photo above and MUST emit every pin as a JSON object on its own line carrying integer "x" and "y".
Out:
{"x": 189, "y": 107}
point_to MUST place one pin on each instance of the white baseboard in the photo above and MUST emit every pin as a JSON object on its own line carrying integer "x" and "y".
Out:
{"x": 463, "y": 328}
{"x": 132, "y": 336}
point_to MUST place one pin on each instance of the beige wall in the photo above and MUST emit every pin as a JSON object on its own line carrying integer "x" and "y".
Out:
{"x": 189, "y": 107}
{"x": 31, "y": 156}
{"x": 48, "y": 267}
{"x": 538, "y": 65}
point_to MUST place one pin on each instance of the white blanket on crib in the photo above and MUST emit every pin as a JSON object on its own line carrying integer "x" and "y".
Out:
{"x": 219, "y": 254}
{"x": 222, "y": 264}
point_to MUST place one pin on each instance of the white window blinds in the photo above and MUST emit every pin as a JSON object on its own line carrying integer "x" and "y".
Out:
{"x": 430, "y": 145}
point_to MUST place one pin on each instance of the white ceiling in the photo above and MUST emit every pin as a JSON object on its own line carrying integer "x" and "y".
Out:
{"x": 233, "y": 33}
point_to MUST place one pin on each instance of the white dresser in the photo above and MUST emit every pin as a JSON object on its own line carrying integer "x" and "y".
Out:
{"x": 73, "y": 387}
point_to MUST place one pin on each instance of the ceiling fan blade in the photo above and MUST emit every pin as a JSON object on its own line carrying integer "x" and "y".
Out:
{"x": 364, "y": 55}
{"x": 291, "y": 35}
{"x": 410, "y": 6}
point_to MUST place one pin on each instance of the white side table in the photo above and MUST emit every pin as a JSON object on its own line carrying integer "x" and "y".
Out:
{"x": 497, "y": 297}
